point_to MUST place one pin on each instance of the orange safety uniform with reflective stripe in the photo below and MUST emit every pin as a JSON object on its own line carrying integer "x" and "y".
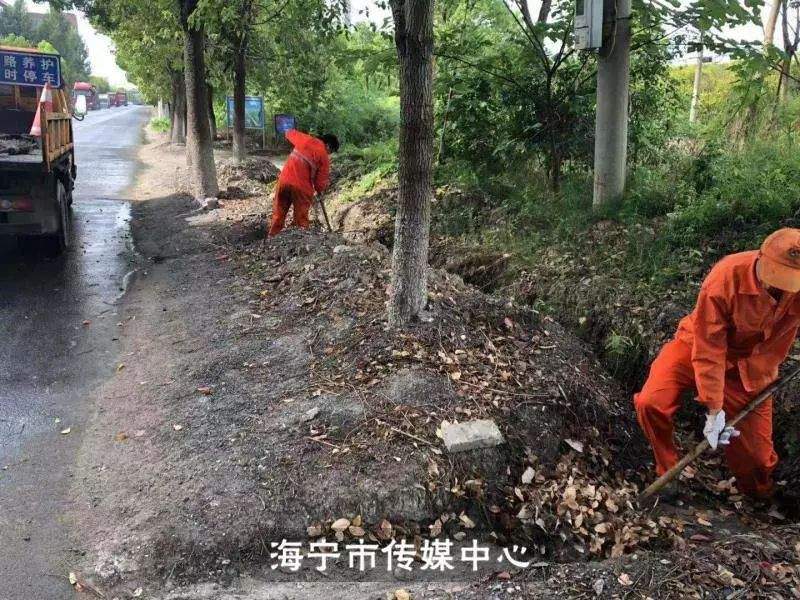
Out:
{"x": 307, "y": 170}
{"x": 308, "y": 166}
{"x": 728, "y": 350}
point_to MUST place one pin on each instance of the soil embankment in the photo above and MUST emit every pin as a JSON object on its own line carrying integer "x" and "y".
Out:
{"x": 261, "y": 396}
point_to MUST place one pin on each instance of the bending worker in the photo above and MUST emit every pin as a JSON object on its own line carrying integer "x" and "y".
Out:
{"x": 728, "y": 350}
{"x": 306, "y": 172}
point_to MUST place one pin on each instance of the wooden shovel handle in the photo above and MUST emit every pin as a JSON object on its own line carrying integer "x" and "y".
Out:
{"x": 704, "y": 445}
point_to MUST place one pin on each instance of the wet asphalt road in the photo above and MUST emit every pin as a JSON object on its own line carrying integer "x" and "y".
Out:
{"x": 50, "y": 361}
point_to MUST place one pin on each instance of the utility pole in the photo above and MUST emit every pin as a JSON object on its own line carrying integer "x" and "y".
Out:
{"x": 611, "y": 128}
{"x": 698, "y": 74}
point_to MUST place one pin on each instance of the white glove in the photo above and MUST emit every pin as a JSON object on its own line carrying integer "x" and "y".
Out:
{"x": 715, "y": 431}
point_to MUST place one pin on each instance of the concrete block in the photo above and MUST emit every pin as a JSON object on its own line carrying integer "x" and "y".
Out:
{"x": 471, "y": 435}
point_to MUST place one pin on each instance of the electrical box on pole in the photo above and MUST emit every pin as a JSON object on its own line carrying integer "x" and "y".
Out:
{"x": 588, "y": 24}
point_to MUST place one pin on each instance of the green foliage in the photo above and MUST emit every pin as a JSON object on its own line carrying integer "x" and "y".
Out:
{"x": 15, "y": 21}
{"x": 160, "y": 124}
{"x": 751, "y": 192}
{"x": 101, "y": 83}
{"x": 16, "y": 41}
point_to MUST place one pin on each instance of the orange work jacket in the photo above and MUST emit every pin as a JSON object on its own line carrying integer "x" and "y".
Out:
{"x": 738, "y": 324}
{"x": 308, "y": 166}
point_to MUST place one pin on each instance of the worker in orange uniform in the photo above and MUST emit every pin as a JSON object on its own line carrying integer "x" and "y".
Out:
{"x": 306, "y": 172}
{"x": 728, "y": 350}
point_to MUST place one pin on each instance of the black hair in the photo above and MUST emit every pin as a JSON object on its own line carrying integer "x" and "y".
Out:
{"x": 331, "y": 141}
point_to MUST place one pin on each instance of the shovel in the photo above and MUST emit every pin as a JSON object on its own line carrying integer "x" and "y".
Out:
{"x": 704, "y": 445}
{"x": 324, "y": 212}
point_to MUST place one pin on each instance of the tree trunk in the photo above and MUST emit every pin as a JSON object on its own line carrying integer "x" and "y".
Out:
{"x": 789, "y": 46}
{"x": 178, "y": 106}
{"x": 613, "y": 93}
{"x": 772, "y": 20}
{"x": 554, "y": 168}
{"x": 199, "y": 149}
{"x": 698, "y": 75}
{"x": 413, "y": 21}
{"x": 239, "y": 93}
{"x": 212, "y": 117}
{"x": 544, "y": 11}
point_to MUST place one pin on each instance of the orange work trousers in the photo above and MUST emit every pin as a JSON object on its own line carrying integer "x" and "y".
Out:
{"x": 288, "y": 196}
{"x": 751, "y": 456}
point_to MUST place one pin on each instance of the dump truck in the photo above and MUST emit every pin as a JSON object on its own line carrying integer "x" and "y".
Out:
{"x": 37, "y": 155}
{"x": 83, "y": 88}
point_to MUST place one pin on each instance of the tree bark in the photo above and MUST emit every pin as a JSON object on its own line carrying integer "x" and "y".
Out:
{"x": 772, "y": 20}
{"x": 239, "y": 93}
{"x": 613, "y": 93}
{"x": 413, "y": 21}
{"x": 199, "y": 149}
{"x": 698, "y": 76}
{"x": 544, "y": 11}
{"x": 212, "y": 117}
{"x": 178, "y": 109}
{"x": 790, "y": 47}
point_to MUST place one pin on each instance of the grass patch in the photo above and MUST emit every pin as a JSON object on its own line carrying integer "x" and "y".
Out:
{"x": 160, "y": 124}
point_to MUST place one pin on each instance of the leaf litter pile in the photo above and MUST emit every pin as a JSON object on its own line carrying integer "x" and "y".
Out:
{"x": 373, "y": 403}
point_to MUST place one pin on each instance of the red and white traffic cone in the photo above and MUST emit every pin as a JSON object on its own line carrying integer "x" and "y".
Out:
{"x": 47, "y": 100}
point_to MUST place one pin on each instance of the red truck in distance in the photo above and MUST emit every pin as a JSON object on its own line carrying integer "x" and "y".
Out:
{"x": 82, "y": 88}
{"x": 120, "y": 98}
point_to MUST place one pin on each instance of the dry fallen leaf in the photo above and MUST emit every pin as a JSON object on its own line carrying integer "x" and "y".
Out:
{"x": 121, "y": 436}
{"x": 314, "y": 530}
{"x": 205, "y": 390}
{"x": 340, "y": 525}
{"x": 384, "y": 530}
{"x": 73, "y": 579}
{"x": 625, "y": 579}
{"x": 528, "y": 475}
{"x": 436, "y": 528}
{"x": 66, "y": 431}
{"x": 401, "y": 594}
{"x": 575, "y": 445}
{"x": 466, "y": 521}
{"x": 356, "y": 531}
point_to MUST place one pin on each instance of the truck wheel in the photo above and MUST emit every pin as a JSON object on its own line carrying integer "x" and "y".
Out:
{"x": 59, "y": 241}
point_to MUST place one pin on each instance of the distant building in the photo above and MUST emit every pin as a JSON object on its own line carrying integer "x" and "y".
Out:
{"x": 37, "y": 18}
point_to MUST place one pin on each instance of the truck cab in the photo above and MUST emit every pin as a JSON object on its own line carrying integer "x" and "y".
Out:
{"x": 82, "y": 88}
{"x": 37, "y": 156}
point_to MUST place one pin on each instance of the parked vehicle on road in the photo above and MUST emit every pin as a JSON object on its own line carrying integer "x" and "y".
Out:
{"x": 118, "y": 98}
{"x": 102, "y": 101}
{"x": 82, "y": 88}
{"x": 37, "y": 172}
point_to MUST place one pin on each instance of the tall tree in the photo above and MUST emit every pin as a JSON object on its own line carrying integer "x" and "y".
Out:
{"x": 232, "y": 23}
{"x": 413, "y": 23}
{"x": 15, "y": 20}
{"x": 199, "y": 148}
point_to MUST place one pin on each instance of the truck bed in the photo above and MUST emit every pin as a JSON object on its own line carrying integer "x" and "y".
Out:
{"x": 31, "y": 161}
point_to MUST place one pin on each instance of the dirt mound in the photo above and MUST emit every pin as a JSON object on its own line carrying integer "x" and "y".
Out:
{"x": 17, "y": 144}
{"x": 250, "y": 178}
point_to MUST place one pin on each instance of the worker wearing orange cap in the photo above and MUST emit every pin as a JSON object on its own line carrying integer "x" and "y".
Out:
{"x": 306, "y": 172}
{"x": 728, "y": 350}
